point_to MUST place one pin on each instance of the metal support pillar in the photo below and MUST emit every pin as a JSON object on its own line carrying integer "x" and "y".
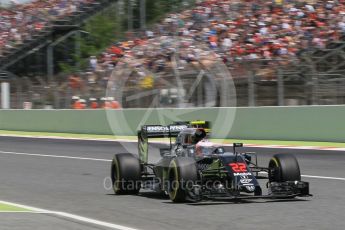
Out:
{"x": 143, "y": 14}
{"x": 50, "y": 51}
{"x": 280, "y": 90}
{"x": 77, "y": 49}
{"x": 251, "y": 89}
{"x": 5, "y": 95}
{"x": 120, "y": 5}
{"x": 50, "y": 63}
{"x": 130, "y": 15}
{"x": 315, "y": 89}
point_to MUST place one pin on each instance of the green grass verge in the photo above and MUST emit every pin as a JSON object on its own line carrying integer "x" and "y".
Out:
{"x": 11, "y": 208}
{"x": 286, "y": 143}
{"x": 226, "y": 141}
{"x": 67, "y": 135}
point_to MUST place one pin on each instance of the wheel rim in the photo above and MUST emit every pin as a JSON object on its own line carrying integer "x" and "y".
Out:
{"x": 274, "y": 169}
{"x": 115, "y": 176}
{"x": 173, "y": 181}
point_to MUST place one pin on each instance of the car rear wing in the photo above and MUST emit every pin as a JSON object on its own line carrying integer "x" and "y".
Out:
{"x": 156, "y": 131}
{"x": 160, "y": 131}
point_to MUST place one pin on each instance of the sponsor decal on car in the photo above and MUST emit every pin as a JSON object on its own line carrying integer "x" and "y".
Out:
{"x": 173, "y": 128}
{"x": 243, "y": 174}
{"x": 246, "y": 181}
{"x": 250, "y": 188}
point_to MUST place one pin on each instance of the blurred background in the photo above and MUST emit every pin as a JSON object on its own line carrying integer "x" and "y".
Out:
{"x": 88, "y": 54}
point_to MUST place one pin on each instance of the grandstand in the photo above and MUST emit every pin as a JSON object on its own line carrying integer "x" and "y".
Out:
{"x": 33, "y": 26}
{"x": 275, "y": 51}
{"x": 278, "y": 52}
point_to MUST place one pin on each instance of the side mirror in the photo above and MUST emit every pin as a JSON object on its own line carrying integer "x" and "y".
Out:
{"x": 247, "y": 157}
{"x": 251, "y": 157}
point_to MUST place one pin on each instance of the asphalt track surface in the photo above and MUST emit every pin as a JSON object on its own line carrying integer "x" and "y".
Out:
{"x": 76, "y": 186}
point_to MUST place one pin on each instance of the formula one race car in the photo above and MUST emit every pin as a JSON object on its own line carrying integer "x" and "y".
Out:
{"x": 195, "y": 169}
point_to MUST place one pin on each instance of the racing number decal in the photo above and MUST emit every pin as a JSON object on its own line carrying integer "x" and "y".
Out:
{"x": 238, "y": 167}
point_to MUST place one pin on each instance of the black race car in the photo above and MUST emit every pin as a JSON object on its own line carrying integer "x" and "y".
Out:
{"x": 195, "y": 169}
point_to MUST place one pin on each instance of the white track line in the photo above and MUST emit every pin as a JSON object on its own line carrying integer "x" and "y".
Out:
{"x": 317, "y": 177}
{"x": 55, "y": 156}
{"x": 72, "y": 216}
{"x": 107, "y": 160}
{"x": 324, "y": 177}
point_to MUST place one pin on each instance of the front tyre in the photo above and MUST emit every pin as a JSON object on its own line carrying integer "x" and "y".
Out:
{"x": 284, "y": 167}
{"x": 182, "y": 175}
{"x": 125, "y": 174}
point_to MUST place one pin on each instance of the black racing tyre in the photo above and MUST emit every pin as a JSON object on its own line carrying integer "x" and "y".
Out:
{"x": 182, "y": 175}
{"x": 125, "y": 174}
{"x": 284, "y": 167}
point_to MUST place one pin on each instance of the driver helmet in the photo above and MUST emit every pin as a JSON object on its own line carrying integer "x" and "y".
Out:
{"x": 205, "y": 147}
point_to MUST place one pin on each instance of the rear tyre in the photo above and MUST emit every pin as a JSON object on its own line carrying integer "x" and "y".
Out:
{"x": 182, "y": 175}
{"x": 284, "y": 167}
{"x": 125, "y": 174}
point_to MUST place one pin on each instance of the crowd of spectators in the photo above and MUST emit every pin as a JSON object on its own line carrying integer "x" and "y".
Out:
{"x": 19, "y": 22}
{"x": 233, "y": 30}
{"x": 239, "y": 30}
